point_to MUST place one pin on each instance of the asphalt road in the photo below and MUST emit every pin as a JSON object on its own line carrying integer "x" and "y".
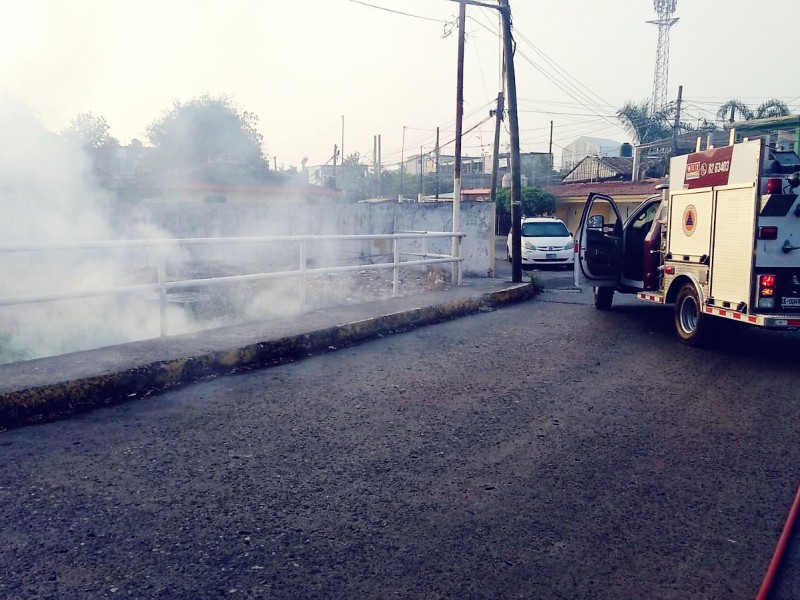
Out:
{"x": 542, "y": 451}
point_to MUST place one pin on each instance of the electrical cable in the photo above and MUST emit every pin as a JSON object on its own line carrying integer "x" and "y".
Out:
{"x": 397, "y": 12}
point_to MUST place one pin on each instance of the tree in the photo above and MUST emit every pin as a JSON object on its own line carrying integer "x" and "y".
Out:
{"x": 91, "y": 134}
{"x": 772, "y": 108}
{"x": 535, "y": 201}
{"x": 731, "y": 108}
{"x": 736, "y": 108}
{"x": 644, "y": 126}
{"x": 204, "y": 129}
{"x": 353, "y": 159}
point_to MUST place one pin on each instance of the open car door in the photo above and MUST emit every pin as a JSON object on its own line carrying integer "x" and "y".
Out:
{"x": 599, "y": 243}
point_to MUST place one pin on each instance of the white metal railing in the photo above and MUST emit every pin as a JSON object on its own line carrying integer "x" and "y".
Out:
{"x": 161, "y": 246}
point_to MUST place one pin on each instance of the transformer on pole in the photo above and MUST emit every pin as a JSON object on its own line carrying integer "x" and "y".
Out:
{"x": 665, "y": 9}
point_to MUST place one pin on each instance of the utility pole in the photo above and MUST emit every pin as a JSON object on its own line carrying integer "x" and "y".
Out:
{"x": 462, "y": 13}
{"x": 498, "y": 113}
{"x": 343, "y": 156}
{"x": 421, "y": 171}
{"x": 437, "y": 163}
{"x": 380, "y": 167}
{"x": 402, "y": 160}
{"x": 550, "y": 157}
{"x": 335, "y": 153}
{"x": 677, "y": 123}
{"x": 516, "y": 204}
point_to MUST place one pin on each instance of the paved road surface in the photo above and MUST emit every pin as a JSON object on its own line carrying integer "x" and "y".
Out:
{"x": 541, "y": 451}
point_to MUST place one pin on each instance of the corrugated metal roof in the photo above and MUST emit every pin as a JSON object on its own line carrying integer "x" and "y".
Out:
{"x": 610, "y": 188}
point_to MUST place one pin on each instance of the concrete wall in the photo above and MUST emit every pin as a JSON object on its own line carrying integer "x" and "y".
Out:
{"x": 321, "y": 218}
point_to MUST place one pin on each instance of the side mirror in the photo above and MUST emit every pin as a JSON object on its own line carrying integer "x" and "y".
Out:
{"x": 595, "y": 222}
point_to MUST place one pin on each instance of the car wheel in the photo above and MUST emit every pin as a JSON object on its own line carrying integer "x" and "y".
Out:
{"x": 691, "y": 325}
{"x": 603, "y": 297}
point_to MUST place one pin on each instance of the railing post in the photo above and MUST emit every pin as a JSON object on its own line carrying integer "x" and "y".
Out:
{"x": 460, "y": 270}
{"x": 456, "y": 254}
{"x": 162, "y": 288}
{"x": 396, "y": 269}
{"x": 302, "y": 274}
{"x": 424, "y": 247}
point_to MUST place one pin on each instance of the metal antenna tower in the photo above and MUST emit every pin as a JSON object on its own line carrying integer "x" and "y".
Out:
{"x": 665, "y": 9}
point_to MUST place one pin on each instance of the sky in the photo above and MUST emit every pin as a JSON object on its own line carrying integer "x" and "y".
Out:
{"x": 314, "y": 71}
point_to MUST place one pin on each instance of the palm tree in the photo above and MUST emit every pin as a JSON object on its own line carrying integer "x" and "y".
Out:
{"x": 644, "y": 126}
{"x": 732, "y": 107}
{"x": 771, "y": 108}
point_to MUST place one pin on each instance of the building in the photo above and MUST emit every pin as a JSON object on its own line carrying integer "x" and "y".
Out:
{"x": 535, "y": 166}
{"x": 571, "y": 197}
{"x": 585, "y": 146}
{"x": 599, "y": 168}
{"x": 652, "y": 159}
{"x": 781, "y": 133}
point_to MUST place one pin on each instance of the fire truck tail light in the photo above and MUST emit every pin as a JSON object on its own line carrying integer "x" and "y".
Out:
{"x": 768, "y": 233}
{"x": 774, "y": 185}
{"x": 766, "y": 288}
{"x": 669, "y": 270}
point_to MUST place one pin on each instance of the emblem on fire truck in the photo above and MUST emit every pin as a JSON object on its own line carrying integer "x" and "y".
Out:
{"x": 689, "y": 220}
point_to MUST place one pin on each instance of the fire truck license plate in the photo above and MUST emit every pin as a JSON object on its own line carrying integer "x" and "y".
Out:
{"x": 550, "y": 256}
{"x": 791, "y": 301}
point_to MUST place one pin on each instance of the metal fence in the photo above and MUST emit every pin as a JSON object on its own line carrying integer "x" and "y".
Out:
{"x": 161, "y": 249}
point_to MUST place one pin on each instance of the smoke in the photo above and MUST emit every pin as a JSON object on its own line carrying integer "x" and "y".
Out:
{"x": 50, "y": 194}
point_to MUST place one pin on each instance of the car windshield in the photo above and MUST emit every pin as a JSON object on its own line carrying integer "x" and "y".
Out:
{"x": 544, "y": 230}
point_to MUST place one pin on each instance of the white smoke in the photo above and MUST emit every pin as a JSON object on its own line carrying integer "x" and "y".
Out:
{"x": 49, "y": 195}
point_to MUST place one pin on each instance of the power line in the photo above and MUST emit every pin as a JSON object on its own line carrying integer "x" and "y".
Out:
{"x": 397, "y": 12}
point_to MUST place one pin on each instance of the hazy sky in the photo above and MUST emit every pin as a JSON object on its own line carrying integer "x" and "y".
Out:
{"x": 301, "y": 65}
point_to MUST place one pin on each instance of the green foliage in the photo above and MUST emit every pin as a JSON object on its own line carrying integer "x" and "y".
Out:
{"x": 644, "y": 126}
{"x": 535, "y": 201}
{"x": 353, "y": 159}
{"x": 203, "y": 129}
{"x": 538, "y": 285}
{"x": 91, "y": 134}
{"x": 736, "y": 110}
{"x": 772, "y": 108}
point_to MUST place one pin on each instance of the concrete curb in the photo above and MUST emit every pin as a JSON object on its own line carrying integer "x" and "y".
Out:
{"x": 50, "y": 402}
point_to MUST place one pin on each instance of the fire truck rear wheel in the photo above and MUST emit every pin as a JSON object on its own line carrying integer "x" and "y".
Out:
{"x": 603, "y": 297}
{"x": 690, "y": 323}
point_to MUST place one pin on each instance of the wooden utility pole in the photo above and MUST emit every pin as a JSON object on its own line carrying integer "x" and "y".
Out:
{"x": 421, "y": 171}
{"x": 335, "y": 154}
{"x": 511, "y": 88}
{"x": 380, "y": 167}
{"x": 676, "y": 126}
{"x": 437, "y": 163}
{"x": 498, "y": 113}
{"x": 462, "y": 13}
{"x": 402, "y": 160}
{"x": 550, "y": 157}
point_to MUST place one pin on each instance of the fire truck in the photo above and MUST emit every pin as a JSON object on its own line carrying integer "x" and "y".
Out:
{"x": 720, "y": 242}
